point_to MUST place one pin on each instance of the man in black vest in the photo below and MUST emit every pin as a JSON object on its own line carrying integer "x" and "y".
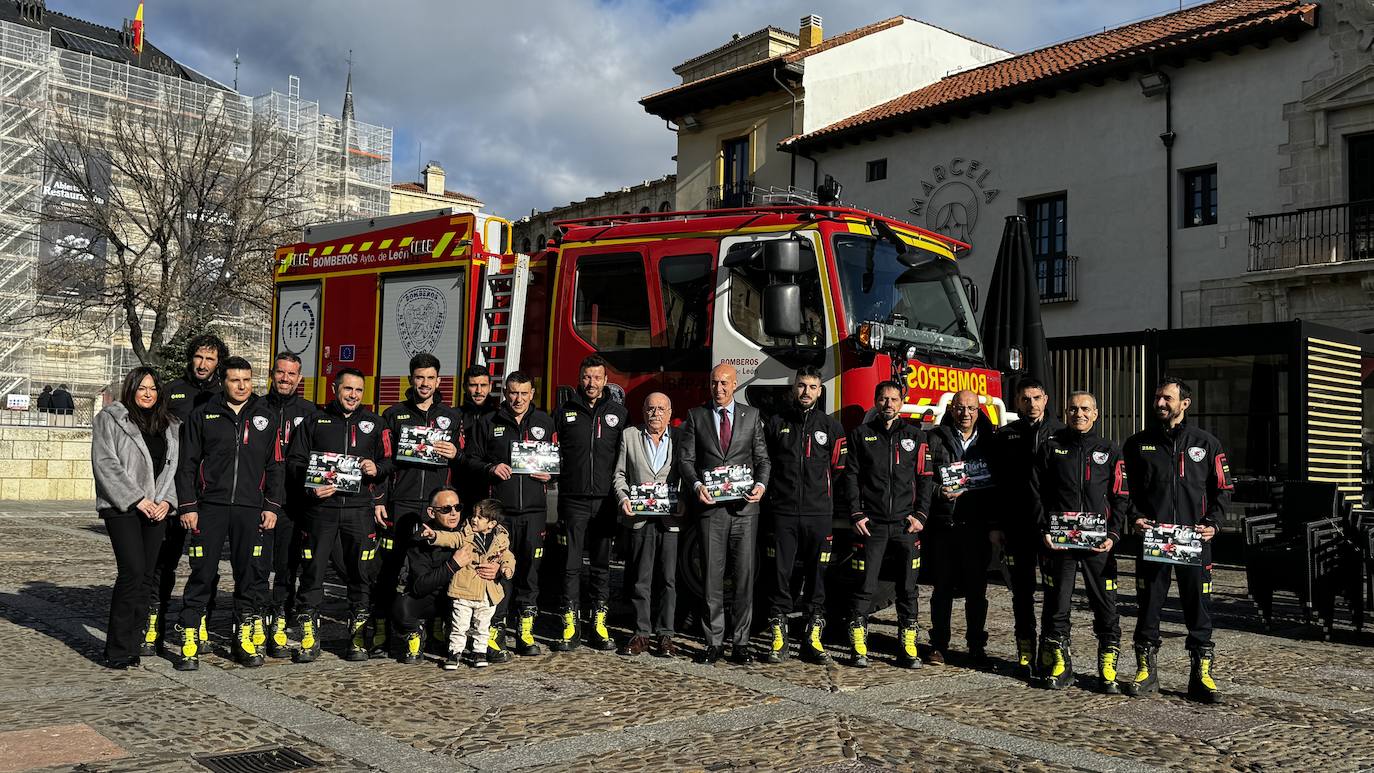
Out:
{"x": 344, "y": 427}
{"x": 805, "y": 444}
{"x": 229, "y": 483}
{"x": 589, "y": 427}
{"x": 1013, "y": 523}
{"x": 290, "y": 409}
{"x": 525, "y": 496}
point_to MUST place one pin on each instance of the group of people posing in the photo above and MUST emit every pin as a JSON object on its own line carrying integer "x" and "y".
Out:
{"x": 434, "y": 512}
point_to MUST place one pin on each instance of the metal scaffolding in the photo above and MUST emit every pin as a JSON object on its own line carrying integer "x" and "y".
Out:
{"x": 38, "y": 79}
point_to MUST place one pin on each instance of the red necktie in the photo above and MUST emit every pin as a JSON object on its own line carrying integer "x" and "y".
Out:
{"x": 724, "y": 431}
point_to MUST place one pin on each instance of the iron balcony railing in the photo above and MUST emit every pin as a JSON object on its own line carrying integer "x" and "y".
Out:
{"x": 1313, "y": 236}
{"x": 730, "y": 195}
{"x": 1057, "y": 278}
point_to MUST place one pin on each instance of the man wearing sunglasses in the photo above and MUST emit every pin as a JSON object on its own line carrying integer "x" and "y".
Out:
{"x": 426, "y": 575}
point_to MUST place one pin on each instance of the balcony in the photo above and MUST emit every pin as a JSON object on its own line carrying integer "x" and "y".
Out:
{"x": 1316, "y": 236}
{"x": 730, "y": 195}
{"x": 1057, "y": 278}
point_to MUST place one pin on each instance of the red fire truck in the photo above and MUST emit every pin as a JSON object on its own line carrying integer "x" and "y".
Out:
{"x": 661, "y": 296}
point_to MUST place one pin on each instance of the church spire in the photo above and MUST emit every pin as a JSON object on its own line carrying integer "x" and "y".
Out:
{"x": 348, "y": 90}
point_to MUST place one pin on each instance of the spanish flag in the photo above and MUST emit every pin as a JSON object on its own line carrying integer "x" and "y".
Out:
{"x": 138, "y": 30}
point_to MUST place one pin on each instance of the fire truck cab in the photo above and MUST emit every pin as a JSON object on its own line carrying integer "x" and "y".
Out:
{"x": 663, "y": 297}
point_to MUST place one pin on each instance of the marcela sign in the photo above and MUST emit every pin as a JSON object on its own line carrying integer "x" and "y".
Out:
{"x": 952, "y": 196}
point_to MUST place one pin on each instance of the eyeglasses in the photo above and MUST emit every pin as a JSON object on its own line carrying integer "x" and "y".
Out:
{"x": 445, "y": 509}
{"x": 656, "y": 409}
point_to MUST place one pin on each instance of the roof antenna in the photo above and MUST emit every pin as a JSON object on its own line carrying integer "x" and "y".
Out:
{"x": 236, "y": 70}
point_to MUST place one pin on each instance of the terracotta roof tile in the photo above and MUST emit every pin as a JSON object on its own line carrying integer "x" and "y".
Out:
{"x": 1151, "y": 36}
{"x": 418, "y": 188}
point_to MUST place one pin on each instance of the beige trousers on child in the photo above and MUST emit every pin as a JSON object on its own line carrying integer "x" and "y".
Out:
{"x": 474, "y": 615}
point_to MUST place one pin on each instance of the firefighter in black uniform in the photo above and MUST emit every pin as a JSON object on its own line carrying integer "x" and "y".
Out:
{"x": 525, "y": 496}
{"x": 805, "y": 444}
{"x": 956, "y": 538}
{"x": 1013, "y": 523}
{"x": 1178, "y": 475}
{"x": 343, "y": 427}
{"x": 426, "y": 574}
{"x": 410, "y": 482}
{"x": 290, "y": 409}
{"x": 229, "y": 482}
{"x": 589, "y": 425}
{"x": 205, "y": 354}
{"x": 887, "y": 489}
{"x": 478, "y": 401}
{"x": 1079, "y": 471}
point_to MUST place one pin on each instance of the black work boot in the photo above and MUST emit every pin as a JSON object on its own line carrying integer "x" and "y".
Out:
{"x": 1025, "y": 658}
{"x": 310, "y": 638}
{"x": 188, "y": 647}
{"x": 858, "y": 642}
{"x": 567, "y": 631}
{"x": 410, "y": 649}
{"x": 812, "y": 650}
{"x": 1056, "y": 664}
{"x": 777, "y": 642}
{"x": 1107, "y": 655}
{"x": 496, "y": 646}
{"x": 524, "y": 638}
{"x": 246, "y": 652}
{"x": 908, "y": 655}
{"x": 599, "y": 638}
{"x": 1146, "y": 671}
{"x": 278, "y": 645}
{"x": 357, "y": 641}
{"x": 1201, "y": 687}
{"x": 151, "y": 634}
{"x": 379, "y": 647}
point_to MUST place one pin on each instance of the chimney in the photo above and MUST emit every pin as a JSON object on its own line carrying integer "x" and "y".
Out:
{"x": 810, "y": 31}
{"x": 434, "y": 179}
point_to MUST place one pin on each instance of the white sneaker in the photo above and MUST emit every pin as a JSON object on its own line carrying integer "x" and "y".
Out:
{"x": 480, "y": 661}
{"x": 451, "y": 663}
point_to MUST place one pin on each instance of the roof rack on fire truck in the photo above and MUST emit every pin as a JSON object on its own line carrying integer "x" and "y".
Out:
{"x": 802, "y": 211}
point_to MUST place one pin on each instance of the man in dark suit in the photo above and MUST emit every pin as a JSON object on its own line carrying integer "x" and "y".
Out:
{"x": 716, "y": 436}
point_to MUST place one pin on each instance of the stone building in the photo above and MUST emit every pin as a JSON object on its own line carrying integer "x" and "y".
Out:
{"x": 537, "y": 228}
{"x": 430, "y": 193}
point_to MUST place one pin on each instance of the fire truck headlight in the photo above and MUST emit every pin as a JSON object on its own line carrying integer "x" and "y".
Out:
{"x": 871, "y": 335}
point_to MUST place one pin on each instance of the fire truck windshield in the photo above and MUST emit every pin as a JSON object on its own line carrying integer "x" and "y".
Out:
{"x": 929, "y": 296}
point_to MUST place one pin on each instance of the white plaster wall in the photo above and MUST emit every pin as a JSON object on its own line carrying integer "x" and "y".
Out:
{"x": 860, "y": 74}
{"x": 1101, "y": 145}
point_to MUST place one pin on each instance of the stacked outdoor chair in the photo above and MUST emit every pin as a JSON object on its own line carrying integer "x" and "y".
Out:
{"x": 1308, "y": 548}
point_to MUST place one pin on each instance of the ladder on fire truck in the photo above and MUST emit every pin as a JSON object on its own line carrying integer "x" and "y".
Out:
{"x": 503, "y": 317}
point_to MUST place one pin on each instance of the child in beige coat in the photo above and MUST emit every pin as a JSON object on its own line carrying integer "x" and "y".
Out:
{"x": 481, "y": 560}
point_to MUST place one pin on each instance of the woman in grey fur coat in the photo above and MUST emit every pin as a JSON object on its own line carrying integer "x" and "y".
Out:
{"x": 134, "y": 460}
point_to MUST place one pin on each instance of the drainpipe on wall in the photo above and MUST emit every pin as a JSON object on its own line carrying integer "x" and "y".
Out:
{"x": 1168, "y": 139}
{"x": 794, "y": 67}
{"x": 1152, "y": 84}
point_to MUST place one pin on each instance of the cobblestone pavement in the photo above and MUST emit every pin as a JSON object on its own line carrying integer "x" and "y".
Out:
{"x": 1292, "y": 702}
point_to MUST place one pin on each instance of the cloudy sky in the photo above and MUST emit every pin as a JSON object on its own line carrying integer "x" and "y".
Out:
{"x": 532, "y": 104}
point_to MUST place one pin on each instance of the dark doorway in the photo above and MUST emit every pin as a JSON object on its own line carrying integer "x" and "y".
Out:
{"x": 1360, "y": 190}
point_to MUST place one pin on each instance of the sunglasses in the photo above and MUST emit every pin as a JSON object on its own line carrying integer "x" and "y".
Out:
{"x": 445, "y": 509}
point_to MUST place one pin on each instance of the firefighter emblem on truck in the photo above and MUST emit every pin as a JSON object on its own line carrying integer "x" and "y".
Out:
{"x": 420, "y": 313}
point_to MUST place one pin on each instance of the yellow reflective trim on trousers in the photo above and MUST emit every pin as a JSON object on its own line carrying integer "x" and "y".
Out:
{"x": 915, "y": 563}
{"x": 257, "y": 550}
{"x": 307, "y": 554}
{"x": 387, "y": 544}
{"x": 1111, "y": 584}
{"x": 538, "y": 552}
{"x": 1207, "y": 587}
{"x": 857, "y": 563}
{"x": 368, "y": 555}
{"x": 825, "y": 558}
{"x": 771, "y": 552}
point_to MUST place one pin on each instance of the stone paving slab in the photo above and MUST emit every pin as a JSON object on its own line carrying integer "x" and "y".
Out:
{"x": 1292, "y": 701}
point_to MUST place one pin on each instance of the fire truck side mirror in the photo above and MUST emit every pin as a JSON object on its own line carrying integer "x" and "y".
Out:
{"x": 782, "y": 314}
{"x": 782, "y": 256}
{"x": 971, "y": 290}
